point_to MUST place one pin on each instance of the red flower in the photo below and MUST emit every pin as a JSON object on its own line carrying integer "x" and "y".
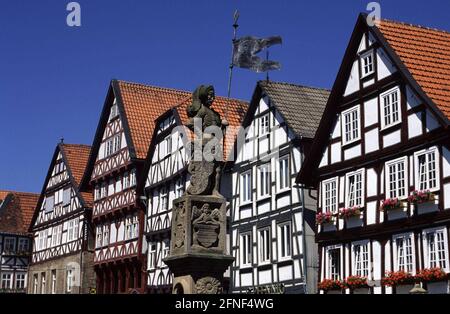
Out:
{"x": 329, "y": 285}
{"x": 390, "y": 204}
{"x": 431, "y": 275}
{"x": 323, "y": 218}
{"x": 350, "y": 212}
{"x": 396, "y": 278}
{"x": 420, "y": 197}
{"x": 355, "y": 282}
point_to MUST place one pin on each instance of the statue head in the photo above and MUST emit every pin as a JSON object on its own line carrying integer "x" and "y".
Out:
{"x": 206, "y": 94}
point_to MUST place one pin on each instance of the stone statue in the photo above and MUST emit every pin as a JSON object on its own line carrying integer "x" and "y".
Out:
{"x": 202, "y": 99}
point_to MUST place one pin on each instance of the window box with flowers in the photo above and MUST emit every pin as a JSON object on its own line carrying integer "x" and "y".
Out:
{"x": 421, "y": 197}
{"x": 328, "y": 285}
{"x": 350, "y": 212}
{"x": 431, "y": 275}
{"x": 324, "y": 218}
{"x": 398, "y": 278}
{"x": 392, "y": 204}
{"x": 356, "y": 282}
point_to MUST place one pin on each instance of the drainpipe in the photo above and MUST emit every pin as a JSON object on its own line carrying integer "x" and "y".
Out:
{"x": 305, "y": 266}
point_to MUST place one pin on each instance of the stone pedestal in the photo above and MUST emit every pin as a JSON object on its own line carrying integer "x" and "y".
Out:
{"x": 198, "y": 256}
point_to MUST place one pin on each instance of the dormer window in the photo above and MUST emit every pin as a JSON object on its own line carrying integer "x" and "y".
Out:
{"x": 367, "y": 64}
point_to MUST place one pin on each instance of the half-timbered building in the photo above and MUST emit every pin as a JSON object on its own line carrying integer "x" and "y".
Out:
{"x": 272, "y": 220}
{"x": 62, "y": 256}
{"x": 16, "y": 210}
{"x": 381, "y": 163}
{"x": 115, "y": 166}
{"x": 167, "y": 177}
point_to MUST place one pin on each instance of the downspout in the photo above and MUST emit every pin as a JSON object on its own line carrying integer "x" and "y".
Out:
{"x": 81, "y": 254}
{"x": 305, "y": 266}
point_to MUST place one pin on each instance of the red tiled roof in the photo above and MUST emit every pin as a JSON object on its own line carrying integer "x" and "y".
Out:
{"x": 77, "y": 157}
{"x": 144, "y": 104}
{"x": 426, "y": 54}
{"x": 16, "y": 215}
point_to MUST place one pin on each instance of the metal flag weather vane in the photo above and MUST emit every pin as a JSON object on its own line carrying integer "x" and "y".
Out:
{"x": 244, "y": 54}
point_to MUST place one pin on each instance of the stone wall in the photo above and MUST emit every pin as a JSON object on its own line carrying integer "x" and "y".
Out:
{"x": 83, "y": 276}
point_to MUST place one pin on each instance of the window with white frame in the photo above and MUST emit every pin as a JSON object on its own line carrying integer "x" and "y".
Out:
{"x": 165, "y": 249}
{"x": 329, "y": 196}
{"x": 367, "y": 63}
{"x": 133, "y": 177}
{"x": 351, "y": 125}
{"x": 390, "y": 108}
{"x": 152, "y": 256}
{"x": 131, "y": 227}
{"x": 354, "y": 188}
{"x": 427, "y": 165}
{"x": 76, "y": 228}
{"x": 99, "y": 237}
{"x": 264, "y": 126}
{"x": 265, "y": 244}
{"x": 396, "y": 178}
{"x": 20, "y": 280}
{"x": 436, "y": 248}
{"x": 43, "y": 284}
{"x": 164, "y": 198}
{"x": 284, "y": 241}
{"x": 105, "y": 230}
{"x": 168, "y": 144}
{"x": 246, "y": 187}
{"x": 23, "y": 245}
{"x": 103, "y": 190}
{"x": 118, "y": 184}
{"x": 114, "y": 111}
{"x": 264, "y": 180}
{"x": 69, "y": 279}
{"x": 54, "y": 281}
{"x": 35, "y": 283}
{"x": 246, "y": 249}
{"x": 404, "y": 253}
{"x": 361, "y": 260}
{"x": 283, "y": 173}
{"x": 6, "y": 281}
{"x": 179, "y": 187}
{"x": 334, "y": 263}
{"x": 59, "y": 197}
{"x": 9, "y": 245}
{"x": 126, "y": 180}
{"x": 70, "y": 231}
{"x": 97, "y": 193}
{"x": 54, "y": 235}
{"x": 59, "y": 234}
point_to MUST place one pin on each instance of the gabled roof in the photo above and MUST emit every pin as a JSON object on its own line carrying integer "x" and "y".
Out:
{"x": 301, "y": 106}
{"x": 425, "y": 52}
{"x": 422, "y": 57}
{"x": 140, "y": 106}
{"x": 75, "y": 157}
{"x": 16, "y": 211}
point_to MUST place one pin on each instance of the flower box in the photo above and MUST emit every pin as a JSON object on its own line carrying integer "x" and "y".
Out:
{"x": 396, "y": 278}
{"x": 431, "y": 275}
{"x": 331, "y": 285}
{"x": 356, "y": 282}
{"x": 421, "y": 197}
{"x": 346, "y": 213}
{"x": 324, "y": 218}
{"x": 392, "y": 204}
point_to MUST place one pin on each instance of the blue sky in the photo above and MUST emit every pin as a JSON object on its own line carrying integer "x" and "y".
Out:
{"x": 54, "y": 79}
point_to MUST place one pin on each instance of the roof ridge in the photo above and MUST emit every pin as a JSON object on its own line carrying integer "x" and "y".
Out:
{"x": 296, "y": 85}
{"x": 154, "y": 86}
{"x": 18, "y": 192}
{"x": 416, "y": 26}
{"x": 76, "y": 145}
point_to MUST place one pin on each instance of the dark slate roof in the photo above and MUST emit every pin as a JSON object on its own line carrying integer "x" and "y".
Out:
{"x": 301, "y": 106}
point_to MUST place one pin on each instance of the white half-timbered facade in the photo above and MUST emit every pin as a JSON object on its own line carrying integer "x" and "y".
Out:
{"x": 272, "y": 231}
{"x": 166, "y": 181}
{"x": 384, "y": 172}
{"x": 119, "y": 150}
{"x": 16, "y": 209}
{"x": 61, "y": 261}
